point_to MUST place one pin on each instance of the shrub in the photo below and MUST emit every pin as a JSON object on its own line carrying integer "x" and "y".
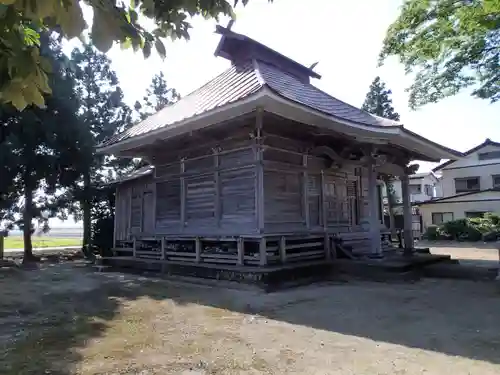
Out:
{"x": 491, "y": 236}
{"x": 456, "y": 228}
{"x": 432, "y": 233}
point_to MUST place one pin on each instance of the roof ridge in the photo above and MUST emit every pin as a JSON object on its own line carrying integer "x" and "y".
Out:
{"x": 350, "y": 106}
{"x": 486, "y": 142}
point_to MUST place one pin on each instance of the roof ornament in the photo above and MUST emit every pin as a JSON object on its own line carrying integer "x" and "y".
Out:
{"x": 314, "y": 65}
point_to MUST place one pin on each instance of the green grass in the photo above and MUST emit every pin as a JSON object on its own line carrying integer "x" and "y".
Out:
{"x": 38, "y": 242}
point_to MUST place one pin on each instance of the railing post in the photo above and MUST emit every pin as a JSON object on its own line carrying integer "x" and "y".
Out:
{"x": 241, "y": 251}
{"x": 263, "y": 252}
{"x": 282, "y": 248}
{"x": 198, "y": 249}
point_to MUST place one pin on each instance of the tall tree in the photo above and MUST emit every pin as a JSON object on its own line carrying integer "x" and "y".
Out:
{"x": 449, "y": 45}
{"x": 158, "y": 96}
{"x": 44, "y": 155}
{"x": 379, "y": 102}
{"x": 23, "y": 73}
{"x": 103, "y": 113}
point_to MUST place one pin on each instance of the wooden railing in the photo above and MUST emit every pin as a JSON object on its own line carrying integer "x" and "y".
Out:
{"x": 272, "y": 250}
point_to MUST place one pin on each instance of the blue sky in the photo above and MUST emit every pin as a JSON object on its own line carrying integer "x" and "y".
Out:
{"x": 344, "y": 36}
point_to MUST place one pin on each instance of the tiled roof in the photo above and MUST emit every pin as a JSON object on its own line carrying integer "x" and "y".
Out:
{"x": 291, "y": 88}
{"x": 234, "y": 84}
{"x": 239, "y": 82}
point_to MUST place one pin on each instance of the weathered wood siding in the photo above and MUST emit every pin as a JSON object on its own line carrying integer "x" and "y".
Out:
{"x": 134, "y": 208}
{"x": 210, "y": 192}
{"x": 245, "y": 185}
{"x": 302, "y": 195}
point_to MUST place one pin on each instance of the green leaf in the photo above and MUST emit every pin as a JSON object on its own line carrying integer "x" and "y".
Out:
{"x": 33, "y": 96}
{"x": 160, "y": 48}
{"x": 126, "y": 44}
{"x": 146, "y": 50}
{"x": 102, "y": 36}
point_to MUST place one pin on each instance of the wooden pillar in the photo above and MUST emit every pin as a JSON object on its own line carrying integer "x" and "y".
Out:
{"x": 498, "y": 274}
{"x": 374, "y": 209}
{"x": 2, "y": 236}
{"x": 183, "y": 196}
{"x": 263, "y": 252}
{"x": 197, "y": 248}
{"x": 241, "y": 251}
{"x": 217, "y": 187}
{"x": 323, "y": 203}
{"x": 282, "y": 248}
{"x": 162, "y": 247}
{"x": 328, "y": 248}
{"x": 407, "y": 215}
{"x": 259, "y": 180}
{"x": 305, "y": 192}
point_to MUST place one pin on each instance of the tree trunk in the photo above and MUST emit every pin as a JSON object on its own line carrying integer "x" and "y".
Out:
{"x": 86, "y": 211}
{"x": 27, "y": 219}
{"x": 390, "y": 200}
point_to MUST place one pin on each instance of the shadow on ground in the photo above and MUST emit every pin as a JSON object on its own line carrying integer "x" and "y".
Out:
{"x": 48, "y": 315}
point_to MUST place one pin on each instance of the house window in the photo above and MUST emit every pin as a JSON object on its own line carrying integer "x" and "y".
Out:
{"x": 415, "y": 189}
{"x": 474, "y": 214}
{"x": 496, "y": 181}
{"x": 463, "y": 185}
{"x": 489, "y": 155}
{"x": 441, "y": 217}
{"x": 429, "y": 190}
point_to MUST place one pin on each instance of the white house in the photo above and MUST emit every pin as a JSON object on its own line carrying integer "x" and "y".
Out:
{"x": 470, "y": 186}
{"x": 423, "y": 187}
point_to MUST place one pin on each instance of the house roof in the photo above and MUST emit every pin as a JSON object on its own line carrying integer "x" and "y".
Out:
{"x": 422, "y": 175}
{"x": 445, "y": 199}
{"x": 487, "y": 142}
{"x": 245, "y": 42}
{"x": 258, "y": 80}
{"x": 239, "y": 82}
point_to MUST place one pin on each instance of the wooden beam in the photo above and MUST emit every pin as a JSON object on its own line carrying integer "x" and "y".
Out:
{"x": 262, "y": 252}
{"x": 283, "y": 249}
{"x": 241, "y": 251}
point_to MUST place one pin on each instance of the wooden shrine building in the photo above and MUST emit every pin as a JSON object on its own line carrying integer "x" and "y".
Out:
{"x": 258, "y": 168}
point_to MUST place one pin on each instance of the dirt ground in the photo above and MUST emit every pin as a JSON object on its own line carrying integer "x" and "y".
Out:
{"x": 67, "y": 319}
{"x": 469, "y": 253}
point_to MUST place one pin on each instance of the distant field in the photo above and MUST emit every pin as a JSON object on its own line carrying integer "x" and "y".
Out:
{"x": 16, "y": 242}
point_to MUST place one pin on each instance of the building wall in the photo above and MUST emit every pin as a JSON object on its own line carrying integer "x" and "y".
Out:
{"x": 301, "y": 192}
{"x": 480, "y": 202}
{"x": 484, "y": 172}
{"x": 470, "y": 166}
{"x": 421, "y": 197}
